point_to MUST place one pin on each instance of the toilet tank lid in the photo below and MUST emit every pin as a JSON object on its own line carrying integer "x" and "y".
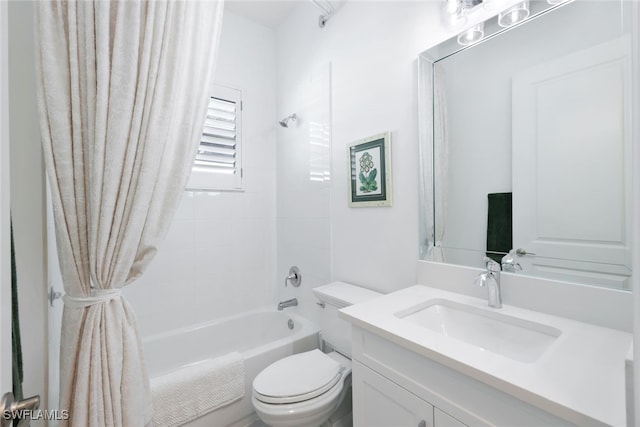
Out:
{"x": 341, "y": 294}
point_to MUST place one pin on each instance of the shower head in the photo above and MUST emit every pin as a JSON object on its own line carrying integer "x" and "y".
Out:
{"x": 285, "y": 122}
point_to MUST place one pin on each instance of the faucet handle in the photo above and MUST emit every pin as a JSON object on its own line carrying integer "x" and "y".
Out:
{"x": 295, "y": 277}
{"x": 492, "y": 266}
{"x": 481, "y": 279}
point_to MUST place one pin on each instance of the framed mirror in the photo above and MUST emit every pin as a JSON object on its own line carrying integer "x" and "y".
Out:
{"x": 525, "y": 139}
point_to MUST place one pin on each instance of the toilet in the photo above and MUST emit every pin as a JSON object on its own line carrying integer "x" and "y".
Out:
{"x": 313, "y": 388}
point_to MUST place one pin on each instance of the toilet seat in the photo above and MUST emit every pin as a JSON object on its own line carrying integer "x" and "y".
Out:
{"x": 309, "y": 413}
{"x": 297, "y": 378}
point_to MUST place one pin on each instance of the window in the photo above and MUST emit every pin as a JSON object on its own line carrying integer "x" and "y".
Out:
{"x": 218, "y": 164}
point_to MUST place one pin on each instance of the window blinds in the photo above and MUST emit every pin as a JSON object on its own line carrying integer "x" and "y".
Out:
{"x": 218, "y": 163}
{"x": 217, "y": 149}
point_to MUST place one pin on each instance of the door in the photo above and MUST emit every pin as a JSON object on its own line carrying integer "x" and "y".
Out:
{"x": 379, "y": 402}
{"x": 7, "y": 404}
{"x": 573, "y": 114}
{"x": 5, "y": 249}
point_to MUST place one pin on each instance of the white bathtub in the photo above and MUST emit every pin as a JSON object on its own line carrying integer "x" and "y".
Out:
{"x": 262, "y": 337}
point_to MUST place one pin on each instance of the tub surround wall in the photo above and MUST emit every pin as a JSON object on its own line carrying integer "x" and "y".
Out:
{"x": 220, "y": 254}
{"x": 304, "y": 189}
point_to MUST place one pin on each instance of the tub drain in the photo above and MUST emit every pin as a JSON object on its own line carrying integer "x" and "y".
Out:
{"x": 290, "y": 323}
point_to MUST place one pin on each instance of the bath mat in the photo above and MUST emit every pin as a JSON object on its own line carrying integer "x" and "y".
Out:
{"x": 192, "y": 391}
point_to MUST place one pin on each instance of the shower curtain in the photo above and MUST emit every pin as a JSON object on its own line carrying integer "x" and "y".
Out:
{"x": 122, "y": 94}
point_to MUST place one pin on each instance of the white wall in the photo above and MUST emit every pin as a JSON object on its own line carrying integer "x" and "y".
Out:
{"x": 372, "y": 48}
{"x": 28, "y": 198}
{"x": 304, "y": 188}
{"x": 220, "y": 255}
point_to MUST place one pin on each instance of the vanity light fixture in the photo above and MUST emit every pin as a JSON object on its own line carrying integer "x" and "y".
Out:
{"x": 452, "y": 7}
{"x": 472, "y": 35}
{"x": 454, "y": 12}
{"x": 453, "y": 16}
{"x": 490, "y": 4}
{"x": 456, "y": 21}
{"x": 514, "y": 14}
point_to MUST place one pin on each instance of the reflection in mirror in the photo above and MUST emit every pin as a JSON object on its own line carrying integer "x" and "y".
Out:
{"x": 526, "y": 150}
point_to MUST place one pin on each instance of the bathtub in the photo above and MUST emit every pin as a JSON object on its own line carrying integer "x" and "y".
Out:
{"x": 262, "y": 337}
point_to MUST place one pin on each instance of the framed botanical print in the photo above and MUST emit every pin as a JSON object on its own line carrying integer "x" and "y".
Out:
{"x": 370, "y": 171}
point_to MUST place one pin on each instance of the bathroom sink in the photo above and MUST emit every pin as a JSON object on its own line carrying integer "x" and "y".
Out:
{"x": 486, "y": 329}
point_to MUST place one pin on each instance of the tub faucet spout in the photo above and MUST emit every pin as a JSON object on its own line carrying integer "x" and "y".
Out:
{"x": 288, "y": 303}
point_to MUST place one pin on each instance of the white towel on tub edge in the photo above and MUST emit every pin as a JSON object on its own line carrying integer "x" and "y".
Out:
{"x": 194, "y": 390}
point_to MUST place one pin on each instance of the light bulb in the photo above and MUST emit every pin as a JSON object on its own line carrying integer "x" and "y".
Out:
{"x": 514, "y": 14}
{"x": 472, "y": 35}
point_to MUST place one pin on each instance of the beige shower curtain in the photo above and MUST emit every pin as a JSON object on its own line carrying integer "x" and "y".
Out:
{"x": 122, "y": 92}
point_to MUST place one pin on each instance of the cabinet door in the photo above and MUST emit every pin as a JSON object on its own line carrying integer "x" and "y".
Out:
{"x": 441, "y": 419}
{"x": 379, "y": 402}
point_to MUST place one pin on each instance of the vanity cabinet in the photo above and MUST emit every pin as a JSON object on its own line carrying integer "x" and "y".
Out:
{"x": 396, "y": 387}
{"x": 379, "y": 402}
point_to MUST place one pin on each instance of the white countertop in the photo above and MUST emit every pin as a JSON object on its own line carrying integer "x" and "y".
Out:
{"x": 581, "y": 376}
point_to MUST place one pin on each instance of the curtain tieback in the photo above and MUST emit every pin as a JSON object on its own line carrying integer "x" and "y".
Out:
{"x": 97, "y": 296}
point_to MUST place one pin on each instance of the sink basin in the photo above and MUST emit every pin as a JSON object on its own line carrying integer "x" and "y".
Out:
{"x": 509, "y": 336}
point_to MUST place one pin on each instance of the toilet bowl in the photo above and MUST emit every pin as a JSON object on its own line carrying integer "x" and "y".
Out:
{"x": 313, "y": 389}
{"x": 302, "y": 390}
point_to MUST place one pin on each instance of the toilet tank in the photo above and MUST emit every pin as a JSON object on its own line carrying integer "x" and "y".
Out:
{"x": 335, "y": 331}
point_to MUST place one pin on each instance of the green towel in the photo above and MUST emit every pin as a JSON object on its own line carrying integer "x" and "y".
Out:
{"x": 18, "y": 374}
{"x": 499, "y": 225}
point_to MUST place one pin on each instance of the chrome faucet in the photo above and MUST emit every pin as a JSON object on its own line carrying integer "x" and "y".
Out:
{"x": 491, "y": 279}
{"x": 288, "y": 303}
{"x": 509, "y": 262}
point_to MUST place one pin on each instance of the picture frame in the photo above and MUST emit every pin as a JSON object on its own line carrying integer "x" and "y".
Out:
{"x": 369, "y": 164}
